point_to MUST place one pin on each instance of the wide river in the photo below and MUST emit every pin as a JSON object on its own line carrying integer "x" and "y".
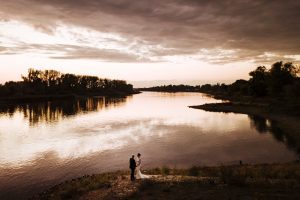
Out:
{"x": 43, "y": 144}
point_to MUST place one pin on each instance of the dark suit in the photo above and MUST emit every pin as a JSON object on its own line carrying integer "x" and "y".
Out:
{"x": 132, "y": 166}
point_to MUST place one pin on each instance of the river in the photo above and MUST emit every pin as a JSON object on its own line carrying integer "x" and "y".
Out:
{"x": 42, "y": 144}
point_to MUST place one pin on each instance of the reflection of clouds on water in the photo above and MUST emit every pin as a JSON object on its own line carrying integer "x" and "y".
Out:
{"x": 164, "y": 122}
{"x": 69, "y": 142}
{"x": 35, "y": 155}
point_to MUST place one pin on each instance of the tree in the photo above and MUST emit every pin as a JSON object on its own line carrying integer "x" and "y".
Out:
{"x": 280, "y": 76}
{"x": 240, "y": 87}
{"x": 38, "y": 82}
{"x": 258, "y": 81}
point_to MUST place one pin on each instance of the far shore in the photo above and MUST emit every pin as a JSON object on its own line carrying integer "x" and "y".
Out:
{"x": 38, "y": 98}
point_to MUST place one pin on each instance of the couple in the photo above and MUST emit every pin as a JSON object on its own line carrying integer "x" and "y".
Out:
{"x": 135, "y": 167}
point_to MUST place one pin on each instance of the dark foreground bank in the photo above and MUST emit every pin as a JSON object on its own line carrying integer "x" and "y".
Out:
{"x": 264, "y": 181}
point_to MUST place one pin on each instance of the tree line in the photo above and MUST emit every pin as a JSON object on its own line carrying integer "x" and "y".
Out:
{"x": 281, "y": 80}
{"x": 173, "y": 88}
{"x": 52, "y": 82}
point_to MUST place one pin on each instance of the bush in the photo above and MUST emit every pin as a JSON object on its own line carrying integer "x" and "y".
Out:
{"x": 234, "y": 176}
{"x": 165, "y": 171}
{"x": 194, "y": 171}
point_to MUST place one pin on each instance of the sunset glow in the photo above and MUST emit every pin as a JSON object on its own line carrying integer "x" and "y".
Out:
{"x": 147, "y": 44}
{"x": 149, "y": 99}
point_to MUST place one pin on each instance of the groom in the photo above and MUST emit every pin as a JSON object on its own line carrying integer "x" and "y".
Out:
{"x": 132, "y": 166}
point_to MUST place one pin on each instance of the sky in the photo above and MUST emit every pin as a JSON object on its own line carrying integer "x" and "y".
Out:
{"x": 148, "y": 42}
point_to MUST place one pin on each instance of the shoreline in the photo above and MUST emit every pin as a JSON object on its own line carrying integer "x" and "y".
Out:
{"x": 38, "y": 98}
{"x": 216, "y": 182}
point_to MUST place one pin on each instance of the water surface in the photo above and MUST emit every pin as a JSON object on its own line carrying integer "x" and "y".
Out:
{"x": 43, "y": 144}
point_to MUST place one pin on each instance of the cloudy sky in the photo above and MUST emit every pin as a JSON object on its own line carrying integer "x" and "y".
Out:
{"x": 144, "y": 40}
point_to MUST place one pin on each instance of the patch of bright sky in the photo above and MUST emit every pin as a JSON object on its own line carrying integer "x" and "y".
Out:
{"x": 177, "y": 67}
{"x": 296, "y": 57}
{"x": 71, "y": 35}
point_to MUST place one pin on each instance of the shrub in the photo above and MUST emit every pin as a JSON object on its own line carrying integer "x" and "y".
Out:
{"x": 165, "y": 171}
{"x": 194, "y": 171}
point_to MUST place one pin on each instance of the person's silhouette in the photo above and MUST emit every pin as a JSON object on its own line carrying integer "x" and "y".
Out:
{"x": 132, "y": 166}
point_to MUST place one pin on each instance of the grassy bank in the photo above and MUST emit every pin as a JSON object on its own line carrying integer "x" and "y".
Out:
{"x": 265, "y": 181}
{"x": 276, "y": 105}
{"x": 242, "y": 108}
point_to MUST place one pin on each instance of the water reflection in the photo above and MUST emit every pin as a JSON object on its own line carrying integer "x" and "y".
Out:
{"x": 264, "y": 125}
{"x": 261, "y": 124}
{"x": 52, "y": 111}
{"x": 44, "y": 144}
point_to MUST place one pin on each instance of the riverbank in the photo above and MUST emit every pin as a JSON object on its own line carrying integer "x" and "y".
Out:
{"x": 39, "y": 98}
{"x": 264, "y": 181}
{"x": 275, "y": 105}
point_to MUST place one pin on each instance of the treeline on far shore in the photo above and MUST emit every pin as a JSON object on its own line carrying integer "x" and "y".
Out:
{"x": 281, "y": 80}
{"x": 54, "y": 83}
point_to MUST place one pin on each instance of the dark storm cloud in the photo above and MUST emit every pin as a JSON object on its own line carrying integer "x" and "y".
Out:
{"x": 108, "y": 55}
{"x": 2, "y": 49}
{"x": 179, "y": 27}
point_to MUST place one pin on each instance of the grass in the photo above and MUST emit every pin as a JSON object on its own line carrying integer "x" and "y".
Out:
{"x": 271, "y": 171}
{"x": 165, "y": 171}
{"x": 269, "y": 181}
{"x": 199, "y": 190}
{"x": 264, "y": 181}
{"x": 75, "y": 188}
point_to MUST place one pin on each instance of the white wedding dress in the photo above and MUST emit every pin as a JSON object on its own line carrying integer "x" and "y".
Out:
{"x": 139, "y": 174}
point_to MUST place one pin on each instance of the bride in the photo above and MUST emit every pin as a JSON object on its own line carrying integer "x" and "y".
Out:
{"x": 139, "y": 174}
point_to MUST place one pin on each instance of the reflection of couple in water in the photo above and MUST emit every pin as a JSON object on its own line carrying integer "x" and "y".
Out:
{"x": 135, "y": 167}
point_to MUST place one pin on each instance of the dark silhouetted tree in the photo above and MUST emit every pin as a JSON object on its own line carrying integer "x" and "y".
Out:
{"x": 46, "y": 82}
{"x": 280, "y": 76}
{"x": 258, "y": 81}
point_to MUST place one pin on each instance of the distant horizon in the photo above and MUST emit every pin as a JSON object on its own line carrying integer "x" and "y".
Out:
{"x": 141, "y": 83}
{"x": 152, "y": 83}
{"x": 183, "y": 73}
{"x": 144, "y": 83}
